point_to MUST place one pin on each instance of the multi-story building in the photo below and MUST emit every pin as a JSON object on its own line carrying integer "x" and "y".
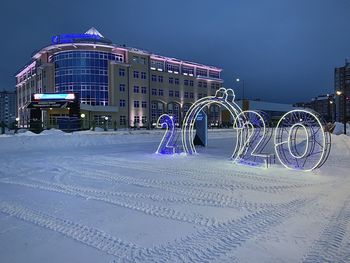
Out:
{"x": 322, "y": 104}
{"x": 342, "y": 85}
{"x": 8, "y": 107}
{"x": 325, "y": 106}
{"x": 127, "y": 86}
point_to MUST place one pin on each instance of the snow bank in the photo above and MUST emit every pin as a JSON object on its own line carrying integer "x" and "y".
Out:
{"x": 339, "y": 128}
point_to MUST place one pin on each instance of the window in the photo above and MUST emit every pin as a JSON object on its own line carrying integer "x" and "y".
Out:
{"x": 143, "y": 90}
{"x": 144, "y": 119}
{"x": 121, "y": 72}
{"x": 173, "y": 68}
{"x": 122, "y": 87}
{"x": 199, "y": 95}
{"x": 176, "y": 81}
{"x": 186, "y": 70}
{"x": 135, "y": 59}
{"x": 205, "y": 95}
{"x": 136, "y": 119}
{"x": 186, "y": 94}
{"x": 191, "y": 95}
{"x": 154, "y": 91}
{"x": 122, "y": 120}
{"x": 171, "y": 80}
{"x": 136, "y": 89}
{"x": 177, "y": 94}
{"x": 212, "y": 85}
{"x": 143, "y": 75}
{"x": 157, "y": 65}
{"x": 142, "y": 61}
{"x": 154, "y": 78}
{"x": 201, "y": 72}
{"x": 136, "y": 74}
{"x": 161, "y": 92}
{"x": 160, "y": 78}
{"x": 200, "y": 84}
{"x": 186, "y": 82}
{"x": 171, "y": 93}
{"x": 144, "y": 104}
{"x": 136, "y": 104}
{"x": 214, "y": 74}
{"x": 205, "y": 85}
{"x": 191, "y": 83}
{"x": 121, "y": 103}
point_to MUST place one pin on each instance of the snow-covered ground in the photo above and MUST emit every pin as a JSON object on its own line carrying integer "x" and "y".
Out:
{"x": 106, "y": 197}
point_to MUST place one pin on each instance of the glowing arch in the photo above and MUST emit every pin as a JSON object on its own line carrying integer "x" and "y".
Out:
{"x": 220, "y": 98}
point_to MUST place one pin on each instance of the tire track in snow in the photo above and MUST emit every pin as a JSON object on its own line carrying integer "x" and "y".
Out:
{"x": 148, "y": 209}
{"x": 165, "y": 184}
{"x": 195, "y": 196}
{"x": 219, "y": 183}
{"x": 330, "y": 246}
{"x": 216, "y": 241}
{"x": 202, "y": 199}
{"x": 84, "y": 234}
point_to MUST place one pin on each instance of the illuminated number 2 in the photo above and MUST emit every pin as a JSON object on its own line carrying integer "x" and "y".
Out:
{"x": 167, "y": 144}
{"x": 253, "y": 136}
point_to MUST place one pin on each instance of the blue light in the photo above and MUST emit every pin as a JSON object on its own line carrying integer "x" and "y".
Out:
{"x": 71, "y": 38}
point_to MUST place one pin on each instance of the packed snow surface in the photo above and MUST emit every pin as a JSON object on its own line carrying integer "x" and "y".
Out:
{"x": 107, "y": 197}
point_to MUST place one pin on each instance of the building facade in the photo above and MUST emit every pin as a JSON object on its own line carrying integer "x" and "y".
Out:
{"x": 325, "y": 105}
{"x": 124, "y": 86}
{"x": 8, "y": 107}
{"x": 342, "y": 85}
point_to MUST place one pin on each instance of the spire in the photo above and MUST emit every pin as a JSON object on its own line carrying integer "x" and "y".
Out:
{"x": 93, "y": 31}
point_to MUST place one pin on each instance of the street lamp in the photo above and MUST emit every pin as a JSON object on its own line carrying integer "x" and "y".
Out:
{"x": 241, "y": 80}
{"x": 342, "y": 94}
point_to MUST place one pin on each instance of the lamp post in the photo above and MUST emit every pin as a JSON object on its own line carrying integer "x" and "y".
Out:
{"x": 106, "y": 123}
{"x": 16, "y": 126}
{"x": 342, "y": 94}
{"x": 82, "y": 120}
{"x": 241, "y": 80}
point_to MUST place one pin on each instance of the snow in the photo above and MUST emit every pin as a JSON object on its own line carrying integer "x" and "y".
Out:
{"x": 96, "y": 196}
{"x": 339, "y": 128}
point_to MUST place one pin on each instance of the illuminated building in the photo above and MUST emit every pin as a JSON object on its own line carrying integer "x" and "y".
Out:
{"x": 129, "y": 86}
{"x": 342, "y": 84}
{"x": 7, "y": 107}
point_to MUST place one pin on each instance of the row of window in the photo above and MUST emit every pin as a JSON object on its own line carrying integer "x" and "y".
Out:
{"x": 122, "y": 119}
{"x": 161, "y": 65}
{"x": 137, "y": 103}
{"x": 176, "y": 93}
{"x": 186, "y": 82}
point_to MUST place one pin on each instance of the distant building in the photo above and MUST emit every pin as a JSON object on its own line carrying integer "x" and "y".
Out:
{"x": 322, "y": 104}
{"x": 126, "y": 86}
{"x": 274, "y": 110}
{"x": 8, "y": 107}
{"x": 342, "y": 84}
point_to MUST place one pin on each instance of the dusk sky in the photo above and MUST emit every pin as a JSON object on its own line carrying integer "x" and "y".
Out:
{"x": 285, "y": 50}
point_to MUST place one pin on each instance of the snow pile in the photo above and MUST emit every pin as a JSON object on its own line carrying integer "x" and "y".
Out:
{"x": 52, "y": 132}
{"x": 339, "y": 128}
